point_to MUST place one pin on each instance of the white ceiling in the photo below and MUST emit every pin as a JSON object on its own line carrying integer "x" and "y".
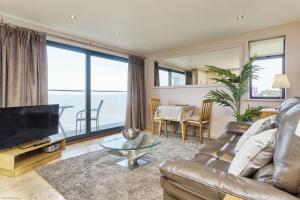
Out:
{"x": 226, "y": 58}
{"x": 162, "y": 23}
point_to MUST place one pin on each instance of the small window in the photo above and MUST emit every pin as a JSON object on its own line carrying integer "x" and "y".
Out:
{"x": 163, "y": 77}
{"x": 171, "y": 77}
{"x": 177, "y": 78}
{"x": 271, "y": 59}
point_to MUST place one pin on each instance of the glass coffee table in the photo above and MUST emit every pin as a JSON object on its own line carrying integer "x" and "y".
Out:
{"x": 133, "y": 149}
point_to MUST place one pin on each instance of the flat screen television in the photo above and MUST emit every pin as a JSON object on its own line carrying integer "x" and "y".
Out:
{"x": 19, "y": 125}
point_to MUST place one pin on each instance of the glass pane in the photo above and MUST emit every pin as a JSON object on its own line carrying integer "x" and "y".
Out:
{"x": 178, "y": 78}
{"x": 108, "y": 84}
{"x": 69, "y": 93}
{"x": 163, "y": 78}
{"x": 262, "y": 87}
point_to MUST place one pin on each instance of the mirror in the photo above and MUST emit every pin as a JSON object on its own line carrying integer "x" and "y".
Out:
{"x": 192, "y": 69}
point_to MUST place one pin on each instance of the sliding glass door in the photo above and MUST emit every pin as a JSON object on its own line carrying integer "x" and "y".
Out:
{"x": 108, "y": 93}
{"x": 66, "y": 87}
{"x": 90, "y": 88}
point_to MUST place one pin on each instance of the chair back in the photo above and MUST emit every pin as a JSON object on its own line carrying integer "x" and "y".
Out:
{"x": 154, "y": 104}
{"x": 99, "y": 109}
{"x": 206, "y": 110}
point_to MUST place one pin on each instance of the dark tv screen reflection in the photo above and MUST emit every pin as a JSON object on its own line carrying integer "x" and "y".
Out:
{"x": 20, "y": 125}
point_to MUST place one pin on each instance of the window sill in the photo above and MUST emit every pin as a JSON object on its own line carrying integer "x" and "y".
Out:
{"x": 188, "y": 86}
{"x": 264, "y": 100}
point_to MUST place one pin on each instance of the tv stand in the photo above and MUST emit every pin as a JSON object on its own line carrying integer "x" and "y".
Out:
{"x": 16, "y": 161}
{"x": 33, "y": 143}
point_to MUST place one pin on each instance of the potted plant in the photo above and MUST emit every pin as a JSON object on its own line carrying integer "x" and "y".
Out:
{"x": 236, "y": 86}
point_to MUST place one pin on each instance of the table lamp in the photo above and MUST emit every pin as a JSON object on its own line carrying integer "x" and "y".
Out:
{"x": 281, "y": 81}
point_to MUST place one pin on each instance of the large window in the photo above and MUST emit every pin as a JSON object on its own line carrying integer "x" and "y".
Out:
{"x": 90, "y": 88}
{"x": 171, "y": 77}
{"x": 271, "y": 59}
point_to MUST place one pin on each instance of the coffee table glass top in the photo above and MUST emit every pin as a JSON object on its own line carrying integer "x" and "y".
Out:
{"x": 118, "y": 142}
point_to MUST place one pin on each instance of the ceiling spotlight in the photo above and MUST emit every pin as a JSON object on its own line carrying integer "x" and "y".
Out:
{"x": 240, "y": 17}
{"x": 117, "y": 32}
{"x": 73, "y": 16}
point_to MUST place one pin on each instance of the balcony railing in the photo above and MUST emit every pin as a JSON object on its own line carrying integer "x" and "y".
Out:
{"x": 112, "y": 113}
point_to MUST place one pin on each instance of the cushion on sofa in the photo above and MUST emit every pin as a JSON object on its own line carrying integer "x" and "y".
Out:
{"x": 212, "y": 162}
{"x": 265, "y": 174}
{"x": 283, "y": 108}
{"x": 254, "y": 154}
{"x": 286, "y": 158}
{"x": 257, "y": 127}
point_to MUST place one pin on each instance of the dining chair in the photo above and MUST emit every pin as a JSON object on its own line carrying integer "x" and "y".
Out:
{"x": 154, "y": 104}
{"x": 80, "y": 117}
{"x": 204, "y": 121}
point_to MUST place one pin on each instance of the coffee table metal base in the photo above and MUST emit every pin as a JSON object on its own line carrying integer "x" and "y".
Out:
{"x": 132, "y": 164}
{"x": 133, "y": 158}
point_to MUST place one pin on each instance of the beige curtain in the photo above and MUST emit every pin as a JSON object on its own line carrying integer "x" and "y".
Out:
{"x": 136, "y": 104}
{"x": 23, "y": 67}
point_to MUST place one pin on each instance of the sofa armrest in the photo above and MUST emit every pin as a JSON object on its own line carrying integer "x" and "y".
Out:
{"x": 214, "y": 183}
{"x": 238, "y": 128}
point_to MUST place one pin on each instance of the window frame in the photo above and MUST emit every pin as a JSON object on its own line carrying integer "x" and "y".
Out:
{"x": 283, "y": 91}
{"x": 170, "y": 73}
{"x": 88, "y": 54}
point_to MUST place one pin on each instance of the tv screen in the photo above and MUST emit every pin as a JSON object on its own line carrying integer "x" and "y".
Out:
{"x": 19, "y": 125}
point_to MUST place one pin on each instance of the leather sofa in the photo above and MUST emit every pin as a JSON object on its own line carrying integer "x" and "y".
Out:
{"x": 206, "y": 177}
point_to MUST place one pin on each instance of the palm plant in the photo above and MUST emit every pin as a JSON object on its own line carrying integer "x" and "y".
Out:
{"x": 236, "y": 87}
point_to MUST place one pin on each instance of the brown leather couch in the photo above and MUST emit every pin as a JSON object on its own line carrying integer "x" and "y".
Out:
{"x": 206, "y": 177}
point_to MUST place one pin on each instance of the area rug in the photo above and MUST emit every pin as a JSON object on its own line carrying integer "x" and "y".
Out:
{"x": 95, "y": 176}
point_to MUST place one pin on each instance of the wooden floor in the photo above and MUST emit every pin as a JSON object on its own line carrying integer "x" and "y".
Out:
{"x": 31, "y": 186}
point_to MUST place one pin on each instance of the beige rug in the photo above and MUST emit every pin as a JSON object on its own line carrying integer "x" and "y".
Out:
{"x": 95, "y": 176}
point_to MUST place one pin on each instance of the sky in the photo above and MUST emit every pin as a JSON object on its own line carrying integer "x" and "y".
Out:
{"x": 66, "y": 71}
{"x": 270, "y": 68}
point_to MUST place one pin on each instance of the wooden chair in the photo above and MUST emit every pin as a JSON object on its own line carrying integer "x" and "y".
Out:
{"x": 204, "y": 120}
{"x": 154, "y": 104}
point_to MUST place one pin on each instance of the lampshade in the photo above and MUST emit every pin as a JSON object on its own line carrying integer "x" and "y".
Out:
{"x": 281, "y": 81}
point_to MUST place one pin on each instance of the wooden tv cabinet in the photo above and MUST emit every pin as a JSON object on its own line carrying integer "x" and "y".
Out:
{"x": 16, "y": 161}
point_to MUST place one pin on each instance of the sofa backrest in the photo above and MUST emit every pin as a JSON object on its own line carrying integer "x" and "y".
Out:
{"x": 283, "y": 108}
{"x": 286, "y": 157}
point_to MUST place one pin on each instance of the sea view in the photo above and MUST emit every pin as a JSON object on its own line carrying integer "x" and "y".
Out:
{"x": 112, "y": 113}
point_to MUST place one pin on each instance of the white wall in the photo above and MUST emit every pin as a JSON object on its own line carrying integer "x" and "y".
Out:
{"x": 193, "y": 95}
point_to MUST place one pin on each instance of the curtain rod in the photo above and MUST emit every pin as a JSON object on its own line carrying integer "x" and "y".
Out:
{"x": 2, "y": 22}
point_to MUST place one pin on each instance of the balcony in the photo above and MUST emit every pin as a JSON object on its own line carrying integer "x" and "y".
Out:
{"x": 111, "y": 115}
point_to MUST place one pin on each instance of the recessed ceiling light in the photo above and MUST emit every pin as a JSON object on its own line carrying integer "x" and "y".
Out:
{"x": 240, "y": 17}
{"x": 73, "y": 16}
{"x": 117, "y": 32}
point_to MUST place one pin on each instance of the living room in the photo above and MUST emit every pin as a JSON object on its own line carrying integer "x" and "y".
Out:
{"x": 143, "y": 100}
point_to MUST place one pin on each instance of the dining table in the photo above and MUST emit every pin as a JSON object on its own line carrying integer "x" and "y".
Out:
{"x": 177, "y": 113}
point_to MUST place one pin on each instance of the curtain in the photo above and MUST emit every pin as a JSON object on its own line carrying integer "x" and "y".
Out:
{"x": 156, "y": 74}
{"x": 23, "y": 67}
{"x": 188, "y": 78}
{"x": 136, "y": 103}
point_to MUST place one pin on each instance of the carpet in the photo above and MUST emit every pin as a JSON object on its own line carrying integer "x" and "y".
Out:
{"x": 95, "y": 176}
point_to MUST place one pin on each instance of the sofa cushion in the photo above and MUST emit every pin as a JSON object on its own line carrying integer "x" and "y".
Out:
{"x": 257, "y": 127}
{"x": 229, "y": 138}
{"x": 287, "y": 152}
{"x": 265, "y": 174}
{"x": 254, "y": 154}
{"x": 227, "y": 154}
{"x": 283, "y": 108}
{"x": 211, "y": 161}
{"x": 213, "y": 148}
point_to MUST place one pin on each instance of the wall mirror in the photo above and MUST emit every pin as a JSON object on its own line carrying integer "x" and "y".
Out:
{"x": 192, "y": 69}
